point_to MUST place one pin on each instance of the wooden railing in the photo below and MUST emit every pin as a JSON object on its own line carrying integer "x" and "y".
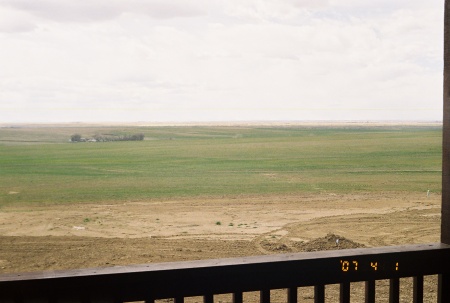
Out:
{"x": 207, "y": 278}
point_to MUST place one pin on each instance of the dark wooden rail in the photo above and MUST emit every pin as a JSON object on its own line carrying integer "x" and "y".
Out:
{"x": 262, "y": 273}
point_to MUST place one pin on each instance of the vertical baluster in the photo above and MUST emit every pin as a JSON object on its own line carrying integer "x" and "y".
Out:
{"x": 344, "y": 293}
{"x": 444, "y": 288}
{"x": 237, "y": 297}
{"x": 319, "y": 294}
{"x": 208, "y": 298}
{"x": 418, "y": 289}
{"x": 394, "y": 290}
{"x": 370, "y": 292}
{"x": 292, "y": 295}
{"x": 264, "y": 296}
{"x": 179, "y": 300}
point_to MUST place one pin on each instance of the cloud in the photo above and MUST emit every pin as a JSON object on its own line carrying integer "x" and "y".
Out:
{"x": 309, "y": 3}
{"x": 101, "y": 10}
{"x": 260, "y": 10}
{"x": 163, "y": 9}
{"x": 219, "y": 59}
{"x": 16, "y": 26}
{"x": 70, "y": 11}
{"x": 12, "y": 21}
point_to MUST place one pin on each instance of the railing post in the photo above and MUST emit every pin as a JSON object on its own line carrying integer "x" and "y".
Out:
{"x": 264, "y": 296}
{"x": 237, "y": 297}
{"x": 444, "y": 285}
{"x": 319, "y": 294}
{"x": 370, "y": 292}
{"x": 344, "y": 293}
{"x": 178, "y": 300}
{"x": 292, "y": 294}
{"x": 394, "y": 290}
{"x": 208, "y": 298}
{"x": 445, "y": 221}
{"x": 443, "y": 292}
{"x": 418, "y": 289}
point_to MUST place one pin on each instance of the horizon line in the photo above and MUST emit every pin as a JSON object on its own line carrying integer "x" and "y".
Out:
{"x": 228, "y": 123}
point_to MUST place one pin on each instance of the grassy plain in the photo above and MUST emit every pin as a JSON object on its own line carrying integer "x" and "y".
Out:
{"x": 40, "y": 165}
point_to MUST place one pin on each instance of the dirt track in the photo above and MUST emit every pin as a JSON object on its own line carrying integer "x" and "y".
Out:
{"x": 77, "y": 236}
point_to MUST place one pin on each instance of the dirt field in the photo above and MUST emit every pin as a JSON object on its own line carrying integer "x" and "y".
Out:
{"x": 77, "y": 236}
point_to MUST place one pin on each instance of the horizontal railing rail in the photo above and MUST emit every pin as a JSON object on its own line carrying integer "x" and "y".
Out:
{"x": 235, "y": 275}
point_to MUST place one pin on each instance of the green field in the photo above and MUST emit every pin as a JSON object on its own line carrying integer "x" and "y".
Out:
{"x": 40, "y": 165}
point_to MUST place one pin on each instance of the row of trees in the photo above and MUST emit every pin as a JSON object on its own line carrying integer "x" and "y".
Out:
{"x": 107, "y": 138}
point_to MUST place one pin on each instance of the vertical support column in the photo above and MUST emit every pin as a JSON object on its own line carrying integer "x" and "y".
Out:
{"x": 445, "y": 221}
{"x": 444, "y": 278}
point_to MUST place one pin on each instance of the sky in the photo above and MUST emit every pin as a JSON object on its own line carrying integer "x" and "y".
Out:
{"x": 220, "y": 60}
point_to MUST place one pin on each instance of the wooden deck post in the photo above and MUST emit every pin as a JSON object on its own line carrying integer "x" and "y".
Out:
{"x": 444, "y": 278}
{"x": 445, "y": 223}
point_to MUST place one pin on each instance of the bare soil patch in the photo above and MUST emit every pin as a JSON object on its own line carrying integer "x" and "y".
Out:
{"x": 207, "y": 228}
{"x": 50, "y": 237}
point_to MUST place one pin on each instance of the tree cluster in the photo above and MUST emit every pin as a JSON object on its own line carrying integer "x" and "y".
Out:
{"x": 134, "y": 137}
{"x": 107, "y": 138}
{"x": 76, "y": 138}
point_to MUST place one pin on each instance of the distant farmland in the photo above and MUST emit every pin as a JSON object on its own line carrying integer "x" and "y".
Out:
{"x": 40, "y": 165}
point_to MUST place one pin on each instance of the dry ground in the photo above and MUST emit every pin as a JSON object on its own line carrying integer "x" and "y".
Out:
{"x": 83, "y": 235}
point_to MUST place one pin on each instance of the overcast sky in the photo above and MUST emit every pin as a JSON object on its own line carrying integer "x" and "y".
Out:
{"x": 220, "y": 60}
